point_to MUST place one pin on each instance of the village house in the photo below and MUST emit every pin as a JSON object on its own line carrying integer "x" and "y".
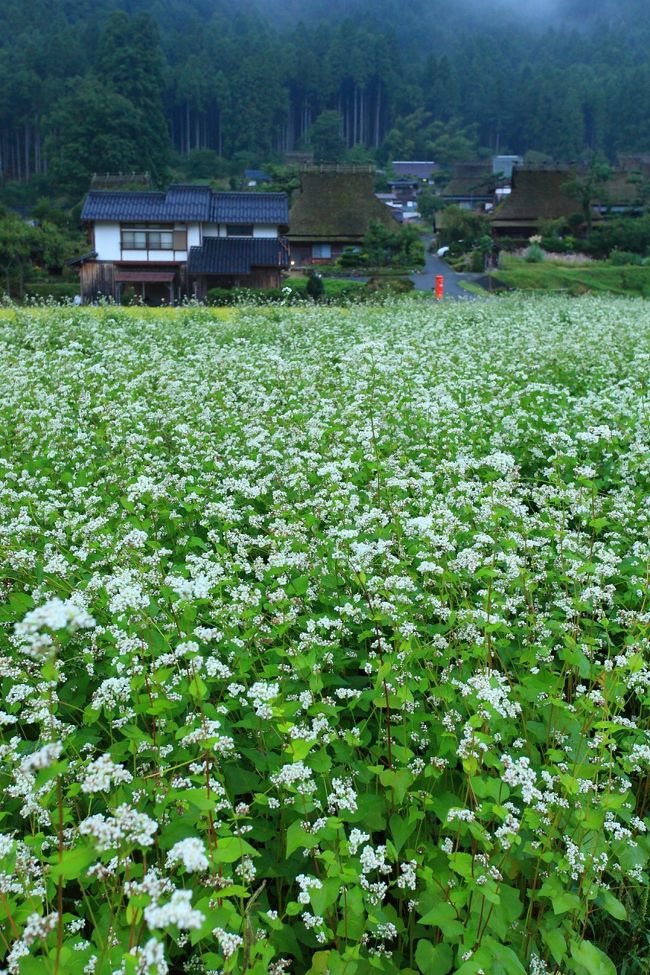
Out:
{"x": 537, "y": 194}
{"x": 423, "y": 170}
{"x": 332, "y": 211}
{"x": 165, "y": 246}
{"x": 405, "y": 190}
{"x": 472, "y": 186}
{"x": 540, "y": 194}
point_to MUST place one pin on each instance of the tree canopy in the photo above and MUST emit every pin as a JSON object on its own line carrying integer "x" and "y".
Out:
{"x": 124, "y": 84}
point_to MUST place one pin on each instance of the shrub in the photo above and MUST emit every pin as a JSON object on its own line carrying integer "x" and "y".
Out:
{"x": 534, "y": 254}
{"x": 621, "y": 258}
{"x": 395, "y": 285}
{"x": 315, "y": 287}
{"x": 56, "y": 290}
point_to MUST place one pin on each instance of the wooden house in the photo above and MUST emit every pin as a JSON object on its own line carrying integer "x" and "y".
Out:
{"x": 164, "y": 246}
{"x": 333, "y": 210}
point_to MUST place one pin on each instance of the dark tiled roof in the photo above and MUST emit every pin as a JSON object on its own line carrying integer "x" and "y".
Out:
{"x": 237, "y": 255}
{"x": 269, "y": 208}
{"x": 336, "y": 205}
{"x": 182, "y": 203}
{"x": 421, "y": 168}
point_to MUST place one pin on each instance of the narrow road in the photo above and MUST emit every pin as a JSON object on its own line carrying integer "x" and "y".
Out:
{"x": 425, "y": 280}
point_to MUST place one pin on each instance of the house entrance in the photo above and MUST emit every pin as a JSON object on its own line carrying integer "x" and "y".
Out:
{"x": 148, "y": 287}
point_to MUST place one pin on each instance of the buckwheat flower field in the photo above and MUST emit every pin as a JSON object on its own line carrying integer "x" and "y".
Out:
{"x": 324, "y": 640}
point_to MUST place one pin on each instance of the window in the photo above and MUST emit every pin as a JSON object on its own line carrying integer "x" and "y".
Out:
{"x": 147, "y": 237}
{"x": 322, "y": 251}
{"x": 239, "y": 230}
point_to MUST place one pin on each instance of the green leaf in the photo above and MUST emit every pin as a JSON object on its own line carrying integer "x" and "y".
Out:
{"x": 319, "y": 963}
{"x": 231, "y": 848}
{"x": 556, "y": 943}
{"x": 398, "y": 781}
{"x": 612, "y": 905}
{"x": 433, "y": 959}
{"x": 72, "y": 863}
{"x": 506, "y": 959}
{"x": 443, "y": 916}
{"x": 592, "y": 958}
{"x": 298, "y": 838}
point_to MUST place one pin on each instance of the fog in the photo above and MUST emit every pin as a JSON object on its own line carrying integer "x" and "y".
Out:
{"x": 535, "y": 13}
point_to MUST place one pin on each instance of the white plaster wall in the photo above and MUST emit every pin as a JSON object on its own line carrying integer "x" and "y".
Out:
{"x": 107, "y": 241}
{"x": 160, "y": 257}
{"x": 259, "y": 230}
{"x": 193, "y": 235}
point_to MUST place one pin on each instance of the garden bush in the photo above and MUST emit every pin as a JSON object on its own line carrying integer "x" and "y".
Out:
{"x": 325, "y": 639}
{"x": 621, "y": 258}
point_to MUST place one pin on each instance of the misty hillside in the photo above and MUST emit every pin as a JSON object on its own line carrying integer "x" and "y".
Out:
{"x": 125, "y": 85}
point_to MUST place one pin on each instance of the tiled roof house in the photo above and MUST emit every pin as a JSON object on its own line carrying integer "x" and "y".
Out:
{"x": 182, "y": 242}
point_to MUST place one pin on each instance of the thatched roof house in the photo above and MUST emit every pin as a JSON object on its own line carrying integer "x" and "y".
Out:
{"x": 537, "y": 195}
{"x": 623, "y": 193}
{"x": 331, "y": 211}
{"x": 472, "y": 185}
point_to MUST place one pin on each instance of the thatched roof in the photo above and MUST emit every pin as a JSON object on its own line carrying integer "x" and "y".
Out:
{"x": 537, "y": 194}
{"x": 622, "y": 190}
{"x": 635, "y": 163}
{"x": 471, "y": 180}
{"x": 336, "y": 204}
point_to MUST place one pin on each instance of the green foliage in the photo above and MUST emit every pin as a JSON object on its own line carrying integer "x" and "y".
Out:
{"x": 294, "y": 291}
{"x": 253, "y": 78}
{"x": 325, "y": 138}
{"x": 24, "y": 247}
{"x": 589, "y": 187}
{"x": 620, "y": 258}
{"x": 578, "y": 280}
{"x": 387, "y": 247}
{"x": 462, "y": 227}
{"x": 429, "y": 203}
{"x": 630, "y": 235}
{"x": 315, "y": 287}
{"x": 534, "y": 254}
{"x": 200, "y": 164}
{"x": 422, "y": 136}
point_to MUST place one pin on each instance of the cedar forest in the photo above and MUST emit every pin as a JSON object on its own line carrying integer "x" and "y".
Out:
{"x": 189, "y": 86}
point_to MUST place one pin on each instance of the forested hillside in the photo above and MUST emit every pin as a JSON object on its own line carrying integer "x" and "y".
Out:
{"x": 125, "y": 84}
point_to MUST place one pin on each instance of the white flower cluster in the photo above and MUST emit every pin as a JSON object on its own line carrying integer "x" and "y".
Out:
{"x": 177, "y": 912}
{"x": 343, "y": 796}
{"x": 54, "y": 615}
{"x": 306, "y": 884}
{"x": 190, "y": 853}
{"x": 102, "y": 775}
{"x": 228, "y": 942}
{"x": 125, "y": 827}
{"x": 260, "y": 694}
{"x": 518, "y": 772}
{"x": 297, "y": 776}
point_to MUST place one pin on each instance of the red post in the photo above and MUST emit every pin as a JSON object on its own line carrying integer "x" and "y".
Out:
{"x": 440, "y": 286}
